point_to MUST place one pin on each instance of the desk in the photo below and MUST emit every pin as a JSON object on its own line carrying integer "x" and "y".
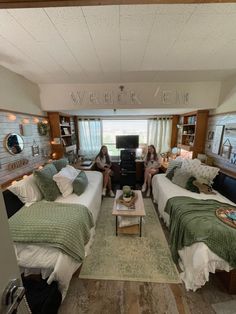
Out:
{"x": 79, "y": 166}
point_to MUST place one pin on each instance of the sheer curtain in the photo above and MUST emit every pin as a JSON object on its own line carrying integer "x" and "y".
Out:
{"x": 90, "y": 137}
{"x": 159, "y": 134}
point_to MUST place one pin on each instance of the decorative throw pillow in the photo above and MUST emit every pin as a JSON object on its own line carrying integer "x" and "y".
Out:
{"x": 206, "y": 172}
{"x": 80, "y": 183}
{"x": 65, "y": 178}
{"x": 26, "y": 190}
{"x": 191, "y": 166}
{"x": 171, "y": 173}
{"x": 173, "y": 164}
{"x": 181, "y": 177}
{"x": 44, "y": 180}
{"x": 191, "y": 186}
{"x": 60, "y": 163}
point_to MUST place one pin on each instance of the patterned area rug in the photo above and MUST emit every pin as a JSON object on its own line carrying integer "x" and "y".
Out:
{"x": 129, "y": 257}
{"x": 228, "y": 307}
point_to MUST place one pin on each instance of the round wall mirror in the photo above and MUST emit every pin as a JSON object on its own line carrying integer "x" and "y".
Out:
{"x": 14, "y": 143}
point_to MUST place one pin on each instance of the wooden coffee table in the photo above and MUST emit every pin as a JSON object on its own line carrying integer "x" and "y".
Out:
{"x": 139, "y": 211}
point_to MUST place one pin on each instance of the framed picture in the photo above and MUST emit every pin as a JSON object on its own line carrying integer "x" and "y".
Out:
{"x": 210, "y": 135}
{"x": 226, "y": 149}
{"x": 217, "y": 139}
{"x": 35, "y": 150}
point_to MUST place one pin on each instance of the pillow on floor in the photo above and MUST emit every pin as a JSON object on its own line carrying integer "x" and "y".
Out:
{"x": 80, "y": 183}
{"x": 64, "y": 179}
{"x": 44, "y": 180}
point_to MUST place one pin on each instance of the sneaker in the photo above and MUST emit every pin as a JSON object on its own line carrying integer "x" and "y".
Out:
{"x": 144, "y": 187}
{"x": 148, "y": 193}
{"x": 111, "y": 193}
{"x": 104, "y": 191}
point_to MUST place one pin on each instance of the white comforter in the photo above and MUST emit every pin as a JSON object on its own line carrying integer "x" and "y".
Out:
{"x": 50, "y": 262}
{"x": 197, "y": 260}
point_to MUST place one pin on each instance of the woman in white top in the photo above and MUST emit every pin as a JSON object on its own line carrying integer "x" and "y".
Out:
{"x": 103, "y": 163}
{"x": 152, "y": 164}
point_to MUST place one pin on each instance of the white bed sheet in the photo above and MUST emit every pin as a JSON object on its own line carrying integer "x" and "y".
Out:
{"x": 50, "y": 262}
{"x": 197, "y": 260}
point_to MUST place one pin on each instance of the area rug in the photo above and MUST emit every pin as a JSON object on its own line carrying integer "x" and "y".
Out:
{"x": 228, "y": 307}
{"x": 130, "y": 257}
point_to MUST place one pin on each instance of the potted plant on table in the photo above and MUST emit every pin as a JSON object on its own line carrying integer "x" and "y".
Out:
{"x": 127, "y": 193}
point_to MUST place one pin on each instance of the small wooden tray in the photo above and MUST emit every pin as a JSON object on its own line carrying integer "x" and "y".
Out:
{"x": 127, "y": 204}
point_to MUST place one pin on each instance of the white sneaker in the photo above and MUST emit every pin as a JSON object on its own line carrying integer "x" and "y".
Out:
{"x": 104, "y": 192}
{"x": 148, "y": 193}
{"x": 144, "y": 187}
{"x": 111, "y": 193}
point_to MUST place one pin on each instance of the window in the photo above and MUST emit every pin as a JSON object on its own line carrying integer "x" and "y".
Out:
{"x": 111, "y": 128}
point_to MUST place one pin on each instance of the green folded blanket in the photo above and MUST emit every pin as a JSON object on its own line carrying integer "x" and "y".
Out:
{"x": 63, "y": 226}
{"x": 193, "y": 220}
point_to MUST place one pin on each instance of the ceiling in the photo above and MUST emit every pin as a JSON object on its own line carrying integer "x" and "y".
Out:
{"x": 120, "y": 43}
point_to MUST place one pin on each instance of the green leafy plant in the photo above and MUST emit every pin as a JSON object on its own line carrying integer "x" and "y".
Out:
{"x": 127, "y": 192}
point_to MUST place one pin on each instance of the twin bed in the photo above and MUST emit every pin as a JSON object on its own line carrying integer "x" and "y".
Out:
{"x": 196, "y": 260}
{"x": 52, "y": 262}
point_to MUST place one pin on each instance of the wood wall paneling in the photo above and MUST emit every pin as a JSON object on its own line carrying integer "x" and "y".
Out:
{"x": 9, "y": 126}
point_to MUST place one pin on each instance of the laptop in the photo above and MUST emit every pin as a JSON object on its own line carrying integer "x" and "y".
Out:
{"x": 86, "y": 163}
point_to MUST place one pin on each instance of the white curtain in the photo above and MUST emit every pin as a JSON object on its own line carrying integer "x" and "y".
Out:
{"x": 90, "y": 137}
{"x": 159, "y": 134}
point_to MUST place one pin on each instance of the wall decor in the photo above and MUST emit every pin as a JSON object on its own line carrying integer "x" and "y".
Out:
{"x": 14, "y": 143}
{"x": 35, "y": 149}
{"x": 26, "y": 129}
{"x": 233, "y": 159}
{"x": 17, "y": 164}
{"x": 217, "y": 139}
{"x": 43, "y": 128}
{"x": 226, "y": 149}
{"x": 210, "y": 135}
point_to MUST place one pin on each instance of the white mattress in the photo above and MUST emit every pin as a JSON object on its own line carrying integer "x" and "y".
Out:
{"x": 50, "y": 262}
{"x": 197, "y": 260}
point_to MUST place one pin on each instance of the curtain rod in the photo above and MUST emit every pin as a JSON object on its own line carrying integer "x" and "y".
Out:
{"x": 123, "y": 117}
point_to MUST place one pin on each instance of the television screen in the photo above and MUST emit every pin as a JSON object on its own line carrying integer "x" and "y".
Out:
{"x": 127, "y": 141}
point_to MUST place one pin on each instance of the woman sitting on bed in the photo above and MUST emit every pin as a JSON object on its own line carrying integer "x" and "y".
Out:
{"x": 103, "y": 164}
{"x": 152, "y": 164}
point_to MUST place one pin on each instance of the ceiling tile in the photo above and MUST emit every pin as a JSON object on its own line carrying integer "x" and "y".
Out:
{"x": 138, "y": 9}
{"x": 69, "y": 23}
{"x": 136, "y": 27}
{"x": 36, "y": 23}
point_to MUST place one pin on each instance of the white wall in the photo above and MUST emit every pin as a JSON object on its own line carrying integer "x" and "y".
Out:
{"x": 18, "y": 94}
{"x": 227, "y": 99}
{"x": 146, "y": 95}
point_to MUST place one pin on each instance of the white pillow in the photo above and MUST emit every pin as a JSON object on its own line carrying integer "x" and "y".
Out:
{"x": 191, "y": 165}
{"x": 26, "y": 190}
{"x": 65, "y": 178}
{"x": 172, "y": 164}
{"x": 206, "y": 172}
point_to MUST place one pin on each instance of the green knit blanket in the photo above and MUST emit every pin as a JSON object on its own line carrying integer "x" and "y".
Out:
{"x": 63, "y": 226}
{"x": 193, "y": 220}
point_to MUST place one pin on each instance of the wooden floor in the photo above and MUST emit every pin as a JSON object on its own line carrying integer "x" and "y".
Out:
{"x": 123, "y": 297}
